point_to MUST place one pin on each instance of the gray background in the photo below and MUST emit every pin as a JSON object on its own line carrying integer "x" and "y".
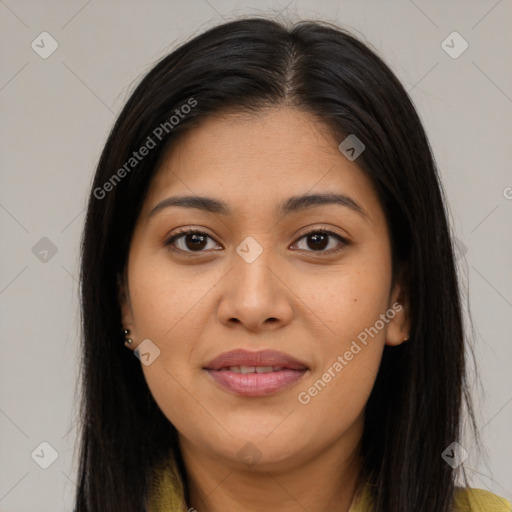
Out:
{"x": 56, "y": 115}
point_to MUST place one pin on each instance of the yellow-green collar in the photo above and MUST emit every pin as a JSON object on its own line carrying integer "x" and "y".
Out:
{"x": 166, "y": 494}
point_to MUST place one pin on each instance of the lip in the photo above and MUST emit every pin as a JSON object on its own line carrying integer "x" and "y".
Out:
{"x": 241, "y": 357}
{"x": 255, "y": 384}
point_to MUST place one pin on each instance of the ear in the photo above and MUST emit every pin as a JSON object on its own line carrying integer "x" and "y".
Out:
{"x": 399, "y": 314}
{"x": 123, "y": 295}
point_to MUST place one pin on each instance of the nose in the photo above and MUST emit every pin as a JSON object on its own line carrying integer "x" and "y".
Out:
{"x": 255, "y": 295}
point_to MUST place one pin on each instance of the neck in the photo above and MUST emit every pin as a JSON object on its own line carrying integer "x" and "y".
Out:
{"x": 325, "y": 482}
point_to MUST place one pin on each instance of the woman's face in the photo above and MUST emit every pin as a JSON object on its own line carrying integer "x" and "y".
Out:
{"x": 262, "y": 276}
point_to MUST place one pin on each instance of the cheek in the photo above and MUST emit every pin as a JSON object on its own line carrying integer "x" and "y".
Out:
{"x": 347, "y": 300}
{"x": 166, "y": 297}
{"x": 170, "y": 307}
{"x": 349, "y": 351}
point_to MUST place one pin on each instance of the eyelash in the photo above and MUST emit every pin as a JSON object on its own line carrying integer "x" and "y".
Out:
{"x": 192, "y": 231}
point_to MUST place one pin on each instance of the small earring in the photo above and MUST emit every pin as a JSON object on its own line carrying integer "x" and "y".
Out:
{"x": 128, "y": 341}
{"x": 406, "y": 337}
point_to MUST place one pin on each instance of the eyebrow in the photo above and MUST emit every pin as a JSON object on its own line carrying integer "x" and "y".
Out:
{"x": 293, "y": 204}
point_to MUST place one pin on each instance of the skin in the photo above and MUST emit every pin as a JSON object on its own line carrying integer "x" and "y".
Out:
{"x": 308, "y": 303}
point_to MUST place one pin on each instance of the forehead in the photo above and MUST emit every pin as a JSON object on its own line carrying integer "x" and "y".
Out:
{"x": 279, "y": 136}
{"x": 252, "y": 160}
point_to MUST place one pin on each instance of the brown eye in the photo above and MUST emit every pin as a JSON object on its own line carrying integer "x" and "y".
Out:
{"x": 189, "y": 240}
{"x": 318, "y": 241}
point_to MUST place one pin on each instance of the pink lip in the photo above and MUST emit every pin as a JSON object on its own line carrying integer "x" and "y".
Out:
{"x": 241, "y": 357}
{"x": 255, "y": 384}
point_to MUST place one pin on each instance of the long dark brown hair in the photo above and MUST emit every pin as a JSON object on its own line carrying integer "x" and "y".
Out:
{"x": 246, "y": 65}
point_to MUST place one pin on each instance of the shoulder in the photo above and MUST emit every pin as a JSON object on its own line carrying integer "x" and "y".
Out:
{"x": 467, "y": 499}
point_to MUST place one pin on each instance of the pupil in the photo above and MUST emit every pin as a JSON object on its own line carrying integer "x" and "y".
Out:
{"x": 318, "y": 243}
{"x": 199, "y": 241}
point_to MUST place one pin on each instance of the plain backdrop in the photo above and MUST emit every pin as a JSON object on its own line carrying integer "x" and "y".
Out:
{"x": 56, "y": 113}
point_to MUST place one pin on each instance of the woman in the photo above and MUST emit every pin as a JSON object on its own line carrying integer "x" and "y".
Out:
{"x": 267, "y": 232}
